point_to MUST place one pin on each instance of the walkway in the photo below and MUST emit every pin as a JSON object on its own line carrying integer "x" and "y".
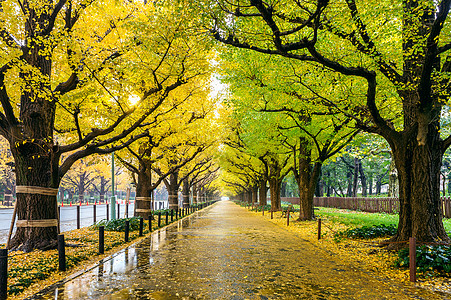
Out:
{"x": 226, "y": 252}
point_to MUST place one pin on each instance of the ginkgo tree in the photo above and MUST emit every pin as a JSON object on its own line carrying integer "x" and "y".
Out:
{"x": 402, "y": 46}
{"x": 70, "y": 68}
{"x": 257, "y": 135}
{"x": 313, "y": 130}
{"x": 188, "y": 151}
{"x": 189, "y": 105}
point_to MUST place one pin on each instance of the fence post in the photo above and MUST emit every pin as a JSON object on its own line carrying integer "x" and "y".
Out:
{"x": 61, "y": 253}
{"x": 150, "y": 222}
{"x": 159, "y": 219}
{"x": 413, "y": 259}
{"x": 127, "y": 229}
{"x": 172, "y": 215}
{"x": 101, "y": 239}
{"x": 141, "y": 226}
{"x": 319, "y": 228}
{"x": 94, "y": 212}
{"x": 107, "y": 211}
{"x": 78, "y": 216}
{"x": 263, "y": 210}
{"x": 288, "y": 217}
{"x": 3, "y": 274}
{"x": 118, "y": 211}
{"x": 271, "y": 214}
{"x": 167, "y": 217}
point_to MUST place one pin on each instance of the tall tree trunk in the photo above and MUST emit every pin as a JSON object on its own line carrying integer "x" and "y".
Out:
{"x": 274, "y": 190}
{"x": 328, "y": 186}
{"x": 370, "y": 184}
{"x": 418, "y": 166}
{"x": 255, "y": 194}
{"x": 393, "y": 186}
{"x": 275, "y": 181}
{"x": 143, "y": 199}
{"x": 185, "y": 193}
{"x": 35, "y": 156}
{"x": 173, "y": 190}
{"x": 307, "y": 180}
{"x": 355, "y": 179}
{"x": 283, "y": 189}
{"x": 81, "y": 188}
{"x": 195, "y": 192}
{"x": 349, "y": 190}
{"x": 362, "y": 179}
{"x": 102, "y": 190}
{"x": 262, "y": 191}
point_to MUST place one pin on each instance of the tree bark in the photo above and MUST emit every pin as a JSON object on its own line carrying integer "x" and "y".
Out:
{"x": 173, "y": 190}
{"x": 418, "y": 166}
{"x": 262, "y": 191}
{"x": 363, "y": 180}
{"x": 307, "y": 180}
{"x": 195, "y": 193}
{"x": 275, "y": 181}
{"x": 35, "y": 156}
{"x": 355, "y": 179}
{"x": 283, "y": 189}
{"x": 185, "y": 192}
{"x": 393, "y": 186}
{"x": 255, "y": 194}
{"x": 349, "y": 189}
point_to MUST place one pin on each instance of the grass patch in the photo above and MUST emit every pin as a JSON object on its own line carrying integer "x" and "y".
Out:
{"x": 359, "y": 218}
{"x": 356, "y": 218}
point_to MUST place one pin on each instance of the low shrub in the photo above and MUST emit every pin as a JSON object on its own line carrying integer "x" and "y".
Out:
{"x": 117, "y": 224}
{"x": 368, "y": 232}
{"x": 428, "y": 258}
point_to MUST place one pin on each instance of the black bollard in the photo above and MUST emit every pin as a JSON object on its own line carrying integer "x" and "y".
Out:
{"x": 101, "y": 239}
{"x": 159, "y": 219}
{"x": 108, "y": 212}
{"x": 167, "y": 217}
{"x": 141, "y": 225}
{"x": 3, "y": 274}
{"x": 412, "y": 259}
{"x": 94, "y": 212}
{"x": 78, "y": 216}
{"x": 319, "y": 229}
{"x": 150, "y": 223}
{"x": 61, "y": 253}
{"x": 127, "y": 229}
{"x": 118, "y": 211}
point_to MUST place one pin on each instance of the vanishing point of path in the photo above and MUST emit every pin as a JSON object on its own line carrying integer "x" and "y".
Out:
{"x": 225, "y": 252}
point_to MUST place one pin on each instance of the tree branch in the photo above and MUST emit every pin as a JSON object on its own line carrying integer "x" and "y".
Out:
{"x": 71, "y": 159}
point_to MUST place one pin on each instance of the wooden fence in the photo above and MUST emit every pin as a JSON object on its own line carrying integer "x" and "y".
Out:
{"x": 387, "y": 205}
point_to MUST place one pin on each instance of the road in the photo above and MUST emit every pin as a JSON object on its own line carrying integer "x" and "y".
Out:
{"x": 225, "y": 252}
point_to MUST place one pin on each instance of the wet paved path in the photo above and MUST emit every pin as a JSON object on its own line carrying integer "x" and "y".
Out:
{"x": 225, "y": 252}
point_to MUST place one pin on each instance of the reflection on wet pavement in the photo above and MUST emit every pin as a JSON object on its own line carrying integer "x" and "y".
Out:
{"x": 224, "y": 252}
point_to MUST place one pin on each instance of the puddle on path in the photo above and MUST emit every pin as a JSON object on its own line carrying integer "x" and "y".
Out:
{"x": 224, "y": 252}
